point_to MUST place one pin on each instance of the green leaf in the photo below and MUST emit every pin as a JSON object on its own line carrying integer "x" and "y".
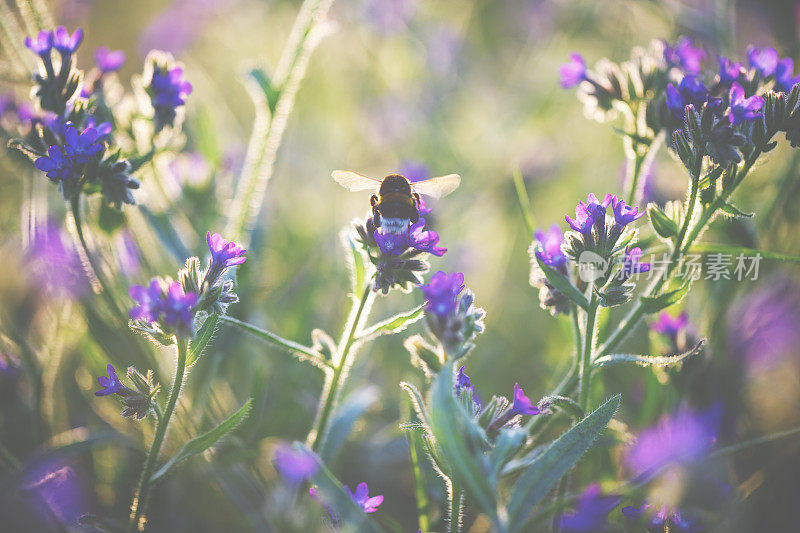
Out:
{"x": 449, "y": 424}
{"x": 708, "y": 248}
{"x": 560, "y": 282}
{"x": 711, "y": 177}
{"x": 201, "y": 339}
{"x": 663, "y": 225}
{"x": 395, "y": 324}
{"x": 344, "y": 418}
{"x": 417, "y": 403}
{"x": 261, "y": 88}
{"x": 524, "y": 202}
{"x": 648, "y": 360}
{"x": 332, "y": 493}
{"x": 567, "y": 405}
{"x": 734, "y": 212}
{"x": 205, "y": 441}
{"x": 110, "y": 219}
{"x": 505, "y": 447}
{"x": 534, "y": 484}
{"x": 206, "y": 135}
{"x": 356, "y": 262}
{"x": 654, "y": 304}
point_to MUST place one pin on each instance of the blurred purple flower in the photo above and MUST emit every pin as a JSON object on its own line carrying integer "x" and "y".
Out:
{"x": 388, "y": 16}
{"x": 549, "y": 252}
{"x": 295, "y": 465}
{"x": 42, "y": 44}
{"x": 573, "y": 71}
{"x": 743, "y": 109}
{"x": 681, "y": 437}
{"x": 168, "y": 304}
{"x": 729, "y": 71}
{"x": 462, "y": 381}
{"x": 57, "y": 492}
{"x": 764, "y": 60}
{"x": 414, "y": 170}
{"x": 177, "y": 307}
{"x": 55, "y": 265}
{"x": 661, "y": 519}
{"x": 148, "y": 300}
{"x": 65, "y": 43}
{"x": 109, "y": 60}
{"x": 441, "y": 293}
{"x": 522, "y": 405}
{"x": 670, "y": 326}
{"x": 362, "y": 499}
{"x": 764, "y": 326}
{"x": 591, "y": 512}
{"x": 685, "y": 56}
{"x": 632, "y": 263}
{"x": 8, "y": 365}
{"x": 177, "y": 26}
{"x": 128, "y": 253}
{"x": 443, "y": 46}
{"x": 784, "y": 75}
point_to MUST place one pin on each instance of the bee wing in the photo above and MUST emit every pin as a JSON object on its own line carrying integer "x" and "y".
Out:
{"x": 438, "y": 187}
{"x": 354, "y": 181}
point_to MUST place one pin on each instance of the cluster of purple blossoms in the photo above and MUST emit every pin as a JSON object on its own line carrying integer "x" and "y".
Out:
{"x": 56, "y": 90}
{"x": 590, "y": 222}
{"x": 164, "y": 303}
{"x": 224, "y": 254}
{"x": 591, "y": 512}
{"x": 417, "y": 237}
{"x": 450, "y": 315}
{"x": 664, "y": 518}
{"x": 137, "y": 402}
{"x": 58, "y": 39}
{"x": 65, "y": 165}
{"x": 546, "y": 248}
{"x": 682, "y": 437}
{"x": 167, "y": 90}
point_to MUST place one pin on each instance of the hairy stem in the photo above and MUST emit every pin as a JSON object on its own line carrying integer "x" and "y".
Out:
{"x": 455, "y": 496}
{"x": 140, "y": 501}
{"x": 590, "y": 334}
{"x": 334, "y": 381}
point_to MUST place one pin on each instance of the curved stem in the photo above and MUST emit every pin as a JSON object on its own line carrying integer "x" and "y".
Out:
{"x": 142, "y": 493}
{"x": 590, "y": 334}
{"x": 334, "y": 381}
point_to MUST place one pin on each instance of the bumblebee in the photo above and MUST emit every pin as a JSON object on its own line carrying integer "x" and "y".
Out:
{"x": 396, "y": 205}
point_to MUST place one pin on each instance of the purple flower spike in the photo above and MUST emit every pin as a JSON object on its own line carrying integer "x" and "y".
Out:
{"x": 743, "y": 109}
{"x": 43, "y": 43}
{"x": 633, "y": 264}
{"x": 550, "y": 252}
{"x": 295, "y": 465}
{"x": 149, "y": 301}
{"x": 225, "y": 252}
{"x": 522, "y": 404}
{"x": 784, "y": 75}
{"x": 362, "y": 499}
{"x": 177, "y": 306}
{"x": 591, "y": 512}
{"x": 729, "y": 71}
{"x": 685, "y": 56}
{"x": 765, "y": 60}
{"x": 64, "y": 42}
{"x": 57, "y": 165}
{"x": 82, "y": 148}
{"x": 110, "y": 384}
{"x": 669, "y": 325}
{"x": 573, "y": 71}
{"x": 589, "y": 214}
{"x": 109, "y": 60}
{"x": 441, "y": 292}
{"x": 624, "y": 214}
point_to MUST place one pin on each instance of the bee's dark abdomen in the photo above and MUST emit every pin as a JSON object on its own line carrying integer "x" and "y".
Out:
{"x": 395, "y": 183}
{"x": 390, "y": 209}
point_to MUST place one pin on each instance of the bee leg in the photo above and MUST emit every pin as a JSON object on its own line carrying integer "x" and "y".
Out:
{"x": 373, "y": 201}
{"x": 416, "y": 197}
{"x": 376, "y": 217}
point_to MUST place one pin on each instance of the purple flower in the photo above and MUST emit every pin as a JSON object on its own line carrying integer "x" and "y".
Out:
{"x": 168, "y": 89}
{"x": 623, "y": 213}
{"x": 65, "y": 43}
{"x": 82, "y": 148}
{"x": 684, "y": 436}
{"x": 224, "y": 254}
{"x": 685, "y": 56}
{"x": 591, "y": 512}
{"x": 295, "y": 465}
{"x": 103, "y": 128}
{"x": 149, "y": 301}
{"x": 593, "y": 212}
{"x": 765, "y": 60}
{"x": 109, "y": 60}
{"x": 632, "y": 263}
{"x": 58, "y": 166}
{"x": 128, "y": 253}
{"x": 177, "y": 307}
{"x": 689, "y": 91}
{"x": 362, "y": 499}
{"x": 522, "y": 405}
{"x": 417, "y": 237}
{"x": 110, "y": 384}
{"x": 54, "y": 264}
{"x": 669, "y": 325}
{"x": 784, "y": 75}
{"x": 550, "y": 252}
{"x": 414, "y": 171}
{"x": 43, "y": 43}
{"x": 664, "y": 517}
{"x": 389, "y": 16}
{"x": 462, "y": 381}
{"x": 743, "y": 109}
{"x": 573, "y": 71}
{"x": 441, "y": 293}
{"x": 729, "y": 71}
{"x": 58, "y": 495}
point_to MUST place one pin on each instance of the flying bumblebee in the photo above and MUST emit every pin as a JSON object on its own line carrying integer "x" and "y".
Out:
{"x": 396, "y": 205}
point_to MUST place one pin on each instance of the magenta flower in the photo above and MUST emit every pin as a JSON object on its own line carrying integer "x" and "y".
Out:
{"x": 109, "y": 60}
{"x": 550, "y": 252}
{"x": 765, "y": 60}
{"x": 623, "y": 213}
{"x": 591, "y": 512}
{"x": 522, "y": 405}
{"x": 681, "y": 437}
{"x": 110, "y": 384}
{"x": 784, "y": 75}
{"x": 177, "y": 306}
{"x": 743, "y": 109}
{"x": 149, "y": 301}
{"x": 591, "y": 213}
{"x": 632, "y": 264}
{"x": 295, "y": 465}
{"x": 43, "y": 43}
{"x": 362, "y": 499}
{"x": 441, "y": 293}
{"x": 729, "y": 71}
{"x": 669, "y": 325}
{"x": 573, "y": 71}
{"x": 685, "y": 56}
{"x": 224, "y": 254}
{"x": 65, "y": 43}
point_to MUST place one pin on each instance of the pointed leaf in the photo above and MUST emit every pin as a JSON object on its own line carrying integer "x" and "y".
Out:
{"x": 201, "y": 339}
{"x": 394, "y": 324}
{"x": 734, "y": 212}
{"x": 560, "y": 282}
{"x": 205, "y": 441}
{"x": 654, "y": 304}
{"x": 553, "y": 464}
{"x": 648, "y": 360}
{"x": 663, "y": 225}
{"x": 356, "y": 263}
{"x": 344, "y": 418}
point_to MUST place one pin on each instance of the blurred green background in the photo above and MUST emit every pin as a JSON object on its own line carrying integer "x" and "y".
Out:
{"x": 465, "y": 86}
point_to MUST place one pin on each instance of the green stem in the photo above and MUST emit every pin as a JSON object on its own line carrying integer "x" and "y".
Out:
{"x": 455, "y": 495}
{"x": 420, "y": 493}
{"x": 300, "y": 350}
{"x": 140, "y": 501}
{"x": 632, "y": 180}
{"x": 590, "y": 334}
{"x": 334, "y": 381}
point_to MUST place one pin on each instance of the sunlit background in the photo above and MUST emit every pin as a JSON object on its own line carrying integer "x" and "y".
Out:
{"x": 434, "y": 87}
